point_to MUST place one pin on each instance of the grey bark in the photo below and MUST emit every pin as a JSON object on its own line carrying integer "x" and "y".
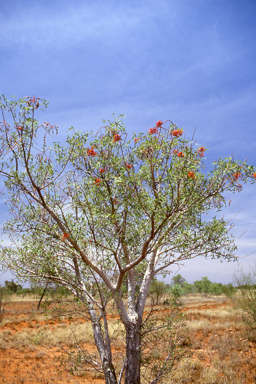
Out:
{"x": 133, "y": 353}
{"x": 103, "y": 346}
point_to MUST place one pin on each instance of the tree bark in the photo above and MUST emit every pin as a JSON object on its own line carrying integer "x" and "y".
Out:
{"x": 103, "y": 346}
{"x": 109, "y": 372}
{"x": 133, "y": 353}
{"x": 42, "y": 296}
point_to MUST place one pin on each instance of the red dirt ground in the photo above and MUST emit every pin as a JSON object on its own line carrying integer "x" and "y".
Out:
{"x": 37, "y": 364}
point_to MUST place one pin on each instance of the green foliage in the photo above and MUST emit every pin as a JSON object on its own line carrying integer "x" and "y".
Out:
{"x": 157, "y": 291}
{"x": 11, "y": 286}
{"x": 203, "y": 285}
{"x": 23, "y": 291}
{"x": 178, "y": 279}
{"x": 229, "y": 290}
{"x": 176, "y": 292}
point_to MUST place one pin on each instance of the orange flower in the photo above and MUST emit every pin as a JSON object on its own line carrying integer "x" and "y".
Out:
{"x": 236, "y": 175}
{"x": 102, "y": 170}
{"x": 254, "y": 175}
{"x": 91, "y": 152}
{"x": 20, "y": 128}
{"x": 97, "y": 181}
{"x": 116, "y": 138}
{"x": 136, "y": 140}
{"x": 64, "y": 236}
{"x": 175, "y": 151}
{"x": 191, "y": 174}
{"x": 159, "y": 123}
{"x": 181, "y": 154}
{"x": 201, "y": 151}
{"x": 153, "y": 130}
{"x": 176, "y": 133}
{"x": 129, "y": 166}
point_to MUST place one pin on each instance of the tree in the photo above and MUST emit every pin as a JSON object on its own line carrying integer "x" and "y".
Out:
{"x": 203, "y": 285}
{"x": 157, "y": 290}
{"x": 178, "y": 280}
{"x": 11, "y": 286}
{"x": 103, "y": 210}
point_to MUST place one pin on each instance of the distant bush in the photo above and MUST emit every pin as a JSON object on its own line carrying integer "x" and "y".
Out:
{"x": 229, "y": 290}
{"x": 23, "y": 291}
{"x": 157, "y": 290}
{"x": 11, "y": 286}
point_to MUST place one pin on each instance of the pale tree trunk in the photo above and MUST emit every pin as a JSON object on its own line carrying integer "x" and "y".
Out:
{"x": 133, "y": 353}
{"x": 103, "y": 346}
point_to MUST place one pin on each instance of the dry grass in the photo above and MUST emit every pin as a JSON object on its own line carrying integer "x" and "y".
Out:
{"x": 213, "y": 332}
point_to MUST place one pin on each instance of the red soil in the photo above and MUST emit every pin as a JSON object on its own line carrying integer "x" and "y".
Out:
{"x": 37, "y": 364}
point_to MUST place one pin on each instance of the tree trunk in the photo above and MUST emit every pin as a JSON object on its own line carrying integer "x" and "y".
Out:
{"x": 45, "y": 289}
{"x": 109, "y": 372}
{"x": 133, "y": 354}
{"x": 103, "y": 346}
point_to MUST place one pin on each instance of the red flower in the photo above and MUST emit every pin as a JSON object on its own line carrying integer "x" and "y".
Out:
{"x": 191, "y": 174}
{"x": 136, "y": 140}
{"x": 97, "y": 181}
{"x": 64, "y": 236}
{"x": 175, "y": 151}
{"x": 176, "y": 133}
{"x": 153, "y": 130}
{"x": 116, "y": 138}
{"x": 129, "y": 166}
{"x": 254, "y": 175}
{"x": 159, "y": 123}
{"x": 236, "y": 175}
{"x": 20, "y": 128}
{"x": 201, "y": 151}
{"x": 102, "y": 170}
{"x": 91, "y": 152}
{"x": 181, "y": 154}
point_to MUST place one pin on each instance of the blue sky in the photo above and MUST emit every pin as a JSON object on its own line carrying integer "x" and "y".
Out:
{"x": 189, "y": 61}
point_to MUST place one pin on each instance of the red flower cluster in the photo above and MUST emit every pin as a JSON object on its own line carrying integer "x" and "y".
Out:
{"x": 116, "y": 138}
{"x": 180, "y": 154}
{"x": 129, "y": 166}
{"x": 201, "y": 151}
{"x": 102, "y": 170}
{"x": 176, "y": 133}
{"x": 97, "y": 181}
{"x": 153, "y": 130}
{"x": 91, "y": 152}
{"x": 236, "y": 175}
{"x": 159, "y": 123}
{"x": 192, "y": 175}
{"x": 64, "y": 236}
